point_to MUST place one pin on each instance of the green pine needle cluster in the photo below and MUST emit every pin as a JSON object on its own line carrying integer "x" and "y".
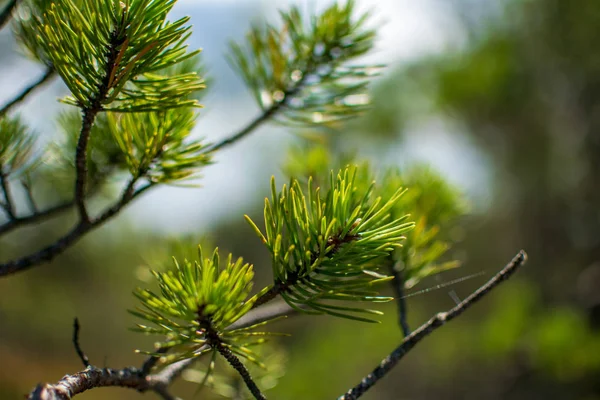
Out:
{"x": 305, "y": 68}
{"x": 434, "y": 204}
{"x": 16, "y": 147}
{"x": 196, "y": 304}
{"x": 116, "y": 53}
{"x": 330, "y": 245}
{"x": 154, "y": 144}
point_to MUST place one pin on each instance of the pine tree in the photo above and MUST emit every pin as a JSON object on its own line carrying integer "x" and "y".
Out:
{"x": 339, "y": 232}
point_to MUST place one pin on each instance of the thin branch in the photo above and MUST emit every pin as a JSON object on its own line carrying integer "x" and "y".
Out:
{"x": 35, "y": 217}
{"x": 50, "y": 252}
{"x": 398, "y": 286}
{"x": 426, "y": 329}
{"x": 49, "y": 74}
{"x": 93, "y": 377}
{"x": 255, "y": 123}
{"x": 264, "y": 116}
{"x": 89, "y": 115}
{"x": 235, "y": 362}
{"x": 87, "y": 122}
{"x": 30, "y": 199}
{"x": 82, "y": 356}
{"x": 7, "y": 12}
{"x": 253, "y": 317}
{"x": 8, "y": 204}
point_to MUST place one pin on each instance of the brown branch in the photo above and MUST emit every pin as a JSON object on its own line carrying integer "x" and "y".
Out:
{"x": 93, "y": 377}
{"x": 50, "y": 252}
{"x": 82, "y": 356}
{"x": 235, "y": 362}
{"x": 255, "y": 123}
{"x": 7, "y": 12}
{"x": 264, "y": 116}
{"x": 49, "y": 74}
{"x": 8, "y": 205}
{"x": 140, "y": 379}
{"x": 30, "y": 199}
{"x": 426, "y": 329}
{"x": 35, "y": 217}
{"x": 398, "y": 286}
{"x": 87, "y": 122}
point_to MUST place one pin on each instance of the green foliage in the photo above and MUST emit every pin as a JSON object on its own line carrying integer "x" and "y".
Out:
{"x": 154, "y": 144}
{"x": 306, "y": 69}
{"x": 432, "y": 204}
{"x": 104, "y": 156}
{"x": 329, "y": 246}
{"x": 16, "y": 146}
{"x": 116, "y": 53}
{"x": 430, "y": 201}
{"x": 197, "y": 300}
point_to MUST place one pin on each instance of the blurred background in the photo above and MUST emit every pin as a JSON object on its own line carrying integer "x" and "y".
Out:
{"x": 502, "y": 97}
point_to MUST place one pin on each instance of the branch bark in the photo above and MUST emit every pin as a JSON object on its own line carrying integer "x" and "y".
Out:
{"x": 398, "y": 286}
{"x": 388, "y": 363}
{"x": 49, "y": 74}
{"x": 7, "y": 12}
{"x": 50, "y": 252}
{"x": 139, "y": 379}
{"x": 35, "y": 217}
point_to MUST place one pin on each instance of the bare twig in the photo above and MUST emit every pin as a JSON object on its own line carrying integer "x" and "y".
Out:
{"x": 255, "y": 123}
{"x": 7, "y": 12}
{"x": 93, "y": 377}
{"x": 424, "y": 330}
{"x": 235, "y": 362}
{"x": 8, "y": 205}
{"x": 48, "y": 253}
{"x": 35, "y": 217}
{"x": 264, "y": 116}
{"x": 48, "y": 74}
{"x": 134, "y": 378}
{"x": 82, "y": 356}
{"x": 30, "y": 199}
{"x": 398, "y": 286}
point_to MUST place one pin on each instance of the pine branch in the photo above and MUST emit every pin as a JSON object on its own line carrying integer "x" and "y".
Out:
{"x": 29, "y": 194}
{"x": 7, "y": 12}
{"x": 265, "y": 116}
{"x": 48, "y": 75}
{"x": 36, "y": 217}
{"x": 139, "y": 379}
{"x": 426, "y": 329}
{"x": 82, "y": 356}
{"x": 241, "y": 369}
{"x": 8, "y": 205}
{"x": 398, "y": 286}
{"x": 93, "y": 377}
{"x": 89, "y": 115}
{"x": 50, "y": 252}
{"x": 255, "y": 316}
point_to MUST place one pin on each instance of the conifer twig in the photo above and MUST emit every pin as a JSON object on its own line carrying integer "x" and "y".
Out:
{"x": 398, "y": 286}
{"x": 235, "y": 362}
{"x": 6, "y": 14}
{"x": 139, "y": 379}
{"x": 48, "y": 253}
{"x": 388, "y": 363}
{"x": 263, "y": 117}
{"x": 7, "y": 205}
{"x": 37, "y": 216}
{"x": 49, "y": 74}
{"x": 82, "y": 356}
